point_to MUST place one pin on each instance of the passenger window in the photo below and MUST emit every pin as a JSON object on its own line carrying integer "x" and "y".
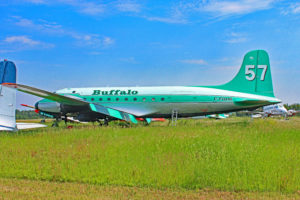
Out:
{"x": 144, "y": 99}
{"x": 92, "y": 99}
{"x": 162, "y": 99}
{"x": 117, "y": 99}
{"x": 134, "y": 99}
{"x": 100, "y": 99}
{"x": 108, "y": 99}
{"x": 126, "y": 99}
{"x": 153, "y": 99}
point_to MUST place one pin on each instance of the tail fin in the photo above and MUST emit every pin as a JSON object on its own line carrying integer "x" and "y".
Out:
{"x": 7, "y": 96}
{"x": 254, "y": 76}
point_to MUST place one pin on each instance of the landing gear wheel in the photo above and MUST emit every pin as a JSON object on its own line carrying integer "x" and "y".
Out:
{"x": 106, "y": 122}
{"x": 100, "y": 123}
{"x": 55, "y": 123}
{"x": 66, "y": 120}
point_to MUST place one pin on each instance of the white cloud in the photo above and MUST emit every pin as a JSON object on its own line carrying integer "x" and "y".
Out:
{"x": 182, "y": 11}
{"x": 89, "y": 8}
{"x": 294, "y": 8}
{"x": 21, "y": 39}
{"x": 93, "y": 40}
{"x": 225, "y": 8}
{"x": 234, "y": 37}
{"x": 94, "y": 7}
{"x": 177, "y": 15}
{"x": 82, "y": 6}
{"x": 36, "y": 1}
{"x": 82, "y": 39}
{"x": 194, "y": 61}
{"x": 176, "y": 12}
{"x": 43, "y": 25}
{"x": 22, "y": 42}
{"x": 107, "y": 41}
{"x": 170, "y": 20}
{"x": 128, "y": 6}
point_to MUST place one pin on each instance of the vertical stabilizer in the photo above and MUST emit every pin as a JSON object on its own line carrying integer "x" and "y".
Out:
{"x": 254, "y": 76}
{"x": 7, "y": 96}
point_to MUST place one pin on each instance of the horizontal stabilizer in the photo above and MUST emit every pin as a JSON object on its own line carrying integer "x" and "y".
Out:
{"x": 251, "y": 102}
{"x": 21, "y": 126}
{"x": 7, "y": 128}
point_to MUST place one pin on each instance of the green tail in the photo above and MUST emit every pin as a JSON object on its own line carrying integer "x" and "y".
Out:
{"x": 254, "y": 76}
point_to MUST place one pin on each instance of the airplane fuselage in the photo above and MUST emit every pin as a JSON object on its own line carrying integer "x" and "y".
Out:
{"x": 162, "y": 101}
{"x": 251, "y": 88}
{"x": 275, "y": 110}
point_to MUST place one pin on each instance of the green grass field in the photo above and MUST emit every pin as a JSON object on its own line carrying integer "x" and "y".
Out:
{"x": 232, "y": 155}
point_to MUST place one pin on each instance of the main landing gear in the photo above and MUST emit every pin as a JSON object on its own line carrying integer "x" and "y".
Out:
{"x": 55, "y": 123}
{"x": 105, "y": 122}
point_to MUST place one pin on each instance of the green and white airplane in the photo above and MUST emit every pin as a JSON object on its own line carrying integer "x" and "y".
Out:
{"x": 249, "y": 89}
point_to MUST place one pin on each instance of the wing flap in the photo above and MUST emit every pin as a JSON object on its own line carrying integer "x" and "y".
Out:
{"x": 113, "y": 113}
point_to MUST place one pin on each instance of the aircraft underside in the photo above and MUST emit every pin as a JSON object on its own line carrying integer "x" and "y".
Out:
{"x": 160, "y": 110}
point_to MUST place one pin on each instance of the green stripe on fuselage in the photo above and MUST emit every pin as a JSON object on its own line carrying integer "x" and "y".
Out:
{"x": 164, "y": 99}
{"x": 157, "y": 98}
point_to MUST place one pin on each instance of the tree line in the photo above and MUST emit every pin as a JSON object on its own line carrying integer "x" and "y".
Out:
{"x": 27, "y": 114}
{"x": 295, "y": 106}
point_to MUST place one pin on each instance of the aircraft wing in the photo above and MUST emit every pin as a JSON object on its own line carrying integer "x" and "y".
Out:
{"x": 29, "y": 125}
{"x": 74, "y": 101}
{"x": 47, "y": 95}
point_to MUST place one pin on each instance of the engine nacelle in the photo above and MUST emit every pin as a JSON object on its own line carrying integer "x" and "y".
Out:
{"x": 51, "y": 107}
{"x": 86, "y": 117}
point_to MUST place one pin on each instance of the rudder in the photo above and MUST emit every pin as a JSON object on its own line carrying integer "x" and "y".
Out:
{"x": 7, "y": 96}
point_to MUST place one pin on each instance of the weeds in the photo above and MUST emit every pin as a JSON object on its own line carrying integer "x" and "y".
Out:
{"x": 235, "y": 154}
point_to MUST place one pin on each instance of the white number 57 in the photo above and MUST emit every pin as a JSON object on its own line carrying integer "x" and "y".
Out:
{"x": 250, "y": 71}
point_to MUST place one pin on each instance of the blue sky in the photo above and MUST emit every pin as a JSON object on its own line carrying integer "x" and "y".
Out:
{"x": 75, "y": 43}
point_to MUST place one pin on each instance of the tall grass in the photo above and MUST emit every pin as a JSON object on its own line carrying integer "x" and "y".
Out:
{"x": 233, "y": 155}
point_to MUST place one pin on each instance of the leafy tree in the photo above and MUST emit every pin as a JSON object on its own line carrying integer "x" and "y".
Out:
{"x": 27, "y": 114}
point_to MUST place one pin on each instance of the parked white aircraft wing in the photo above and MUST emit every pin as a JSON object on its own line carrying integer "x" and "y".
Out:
{"x": 21, "y": 126}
